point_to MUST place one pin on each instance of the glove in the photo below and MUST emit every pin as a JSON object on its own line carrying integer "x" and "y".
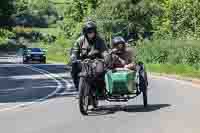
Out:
{"x": 108, "y": 60}
{"x": 114, "y": 51}
{"x": 93, "y": 53}
{"x": 123, "y": 62}
{"x": 116, "y": 57}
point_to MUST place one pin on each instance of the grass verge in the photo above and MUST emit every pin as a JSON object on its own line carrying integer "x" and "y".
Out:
{"x": 179, "y": 69}
{"x": 56, "y": 54}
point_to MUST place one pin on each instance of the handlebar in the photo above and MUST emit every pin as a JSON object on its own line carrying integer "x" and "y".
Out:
{"x": 89, "y": 60}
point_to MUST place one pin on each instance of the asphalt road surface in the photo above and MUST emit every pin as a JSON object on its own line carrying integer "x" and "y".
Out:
{"x": 41, "y": 99}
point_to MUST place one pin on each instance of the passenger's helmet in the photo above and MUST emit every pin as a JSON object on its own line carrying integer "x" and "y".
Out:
{"x": 119, "y": 43}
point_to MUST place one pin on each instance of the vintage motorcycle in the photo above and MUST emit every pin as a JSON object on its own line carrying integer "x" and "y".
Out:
{"x": 114, "y": 85}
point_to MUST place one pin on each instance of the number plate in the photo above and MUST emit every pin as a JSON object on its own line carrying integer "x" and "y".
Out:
{"x": 36, "y": 57}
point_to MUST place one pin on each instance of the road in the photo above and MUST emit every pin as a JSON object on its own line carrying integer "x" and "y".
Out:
{"x": 40, "y": 99}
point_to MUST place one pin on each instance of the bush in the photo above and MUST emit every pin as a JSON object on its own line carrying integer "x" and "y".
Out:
{"x": 5, "y": 34}
{"x": 171, "y": 51}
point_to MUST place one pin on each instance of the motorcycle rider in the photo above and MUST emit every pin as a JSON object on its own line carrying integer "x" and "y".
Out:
{"x": 88, "y": 45}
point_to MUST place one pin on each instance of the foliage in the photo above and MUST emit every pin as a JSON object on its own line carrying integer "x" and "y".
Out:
{"x": 161, "y": 20}
{"x": 171, "y": 51}
{"x": 4, "y": 34}
{"x": 6, "y": 10}
{"x": 130, "y": 18}
{"x": 125, "y": 17}
{"x": 178, "y": 17}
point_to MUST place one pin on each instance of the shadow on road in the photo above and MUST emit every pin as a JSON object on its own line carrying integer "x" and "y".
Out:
{"x": 111, "y": 109}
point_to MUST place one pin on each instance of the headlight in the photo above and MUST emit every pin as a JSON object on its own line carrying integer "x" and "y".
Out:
{"x": 73, "y": 58}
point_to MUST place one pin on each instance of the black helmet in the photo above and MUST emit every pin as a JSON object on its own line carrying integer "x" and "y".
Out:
{"x": 89, "y": 27}
{"x": 118, "y": 40}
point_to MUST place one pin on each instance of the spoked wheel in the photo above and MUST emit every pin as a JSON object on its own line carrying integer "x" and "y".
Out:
{"x": 143, "y": 88}
{"x": 83, "y": 96}
{"x": 145, "y": 101}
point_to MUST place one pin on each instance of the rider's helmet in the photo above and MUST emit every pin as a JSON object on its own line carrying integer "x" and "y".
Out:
{"x": 89, "y": 27}
{"x": 119, "y": 44}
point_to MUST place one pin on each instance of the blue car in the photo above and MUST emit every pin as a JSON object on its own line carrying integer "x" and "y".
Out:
{"x": 34, "y": 55}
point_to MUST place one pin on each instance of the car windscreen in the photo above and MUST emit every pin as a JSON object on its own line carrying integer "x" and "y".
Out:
{"x": 36, "y": 50}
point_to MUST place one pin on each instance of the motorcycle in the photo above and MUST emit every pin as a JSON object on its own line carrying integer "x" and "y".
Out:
{"x": 113, "y": 85}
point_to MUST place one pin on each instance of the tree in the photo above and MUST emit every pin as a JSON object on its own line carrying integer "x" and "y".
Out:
{"x": 178, "y": 17}
{"x": 6, "y": 10}
{"x": 125, "y": 17}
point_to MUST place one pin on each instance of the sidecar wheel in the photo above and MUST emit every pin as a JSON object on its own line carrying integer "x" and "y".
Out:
{"x": 143, "y": 88}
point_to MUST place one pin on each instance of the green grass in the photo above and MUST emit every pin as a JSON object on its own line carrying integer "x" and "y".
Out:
{"x": 56, "y": 55}
{"x": 179, "y": 69}
{"x": 61, "y": 1}
{"x": 56, "y": 52}
{"x": 179, "y": 57}
{"x": 51, "y": 31}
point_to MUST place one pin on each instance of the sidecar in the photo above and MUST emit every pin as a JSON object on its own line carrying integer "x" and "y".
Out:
{"x": 124, "y": 84}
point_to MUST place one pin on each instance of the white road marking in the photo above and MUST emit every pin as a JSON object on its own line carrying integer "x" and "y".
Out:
{"x": 56, "y": 76}
{"x": 46, "y": 73}
{"x": 15, "y": 89}
{"x": 34, "y": 76}
{"x": 42, "y": 87}
{"x": 70, "y": 85}
{"x": 67, "y": 93}
{"x": 14, "y": 65}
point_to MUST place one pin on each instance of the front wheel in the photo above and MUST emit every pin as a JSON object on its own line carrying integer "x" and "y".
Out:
{"x": 95, "y": 102}
{"x": 25, "y": 62}
{"x": 83, "y": 96}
